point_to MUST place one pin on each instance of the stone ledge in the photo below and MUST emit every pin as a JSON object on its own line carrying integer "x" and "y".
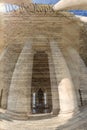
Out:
{"x": 16, "y": 116}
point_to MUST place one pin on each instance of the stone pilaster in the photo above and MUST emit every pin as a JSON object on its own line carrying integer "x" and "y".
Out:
{"x": 78, "y": 70}
{"x": 19, "y": 100}
{"x": 67, "y": 96}
{"x": 8, "y": 61}
{"x": 73, "y": 61}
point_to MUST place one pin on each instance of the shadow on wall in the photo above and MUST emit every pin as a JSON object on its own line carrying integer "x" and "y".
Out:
{"x": 4, "y": 117}
{"x": 1, "y": 93}
{"x": 74, "y": 123}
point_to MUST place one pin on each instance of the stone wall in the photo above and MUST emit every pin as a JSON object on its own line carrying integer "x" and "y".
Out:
{"x": 24, "y": 27}
{"x": 7, "y": 64}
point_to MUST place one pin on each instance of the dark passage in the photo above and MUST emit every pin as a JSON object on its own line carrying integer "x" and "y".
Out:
{"x": 41, "y": 88}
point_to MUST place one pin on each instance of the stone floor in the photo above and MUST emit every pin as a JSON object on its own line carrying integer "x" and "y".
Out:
{"x": 79, "y": 122}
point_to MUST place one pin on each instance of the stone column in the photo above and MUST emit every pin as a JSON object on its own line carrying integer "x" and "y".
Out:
{"x": 19, "y": 99}
{"x": 8, "y": 61}
{"x": 81, "y": 73}
{"x": 54, "y": 89}
{"x": 73, "y": 63}
{"x": 67, "y": 96}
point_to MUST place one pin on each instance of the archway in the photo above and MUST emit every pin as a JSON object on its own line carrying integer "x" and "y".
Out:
{"x": 40, "y": 101}
{"x": 40, "y": 97}
{"x": 41, "y": 87}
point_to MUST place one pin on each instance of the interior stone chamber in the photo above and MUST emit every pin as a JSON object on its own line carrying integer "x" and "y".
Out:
{"x": 39, "y": 68}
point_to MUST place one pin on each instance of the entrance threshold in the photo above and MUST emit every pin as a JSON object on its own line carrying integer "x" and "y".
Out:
{"x": 41, "y": 116}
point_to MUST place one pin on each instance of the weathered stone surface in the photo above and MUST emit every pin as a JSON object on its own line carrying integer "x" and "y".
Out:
{"x": 19, "y": 98}
{"x": 7, "y": 64}
{"x": 64, "y": 33}
{"x": 67, "y": 96}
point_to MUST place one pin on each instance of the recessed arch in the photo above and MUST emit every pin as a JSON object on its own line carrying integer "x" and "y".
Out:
{"x": 41, "y": 86}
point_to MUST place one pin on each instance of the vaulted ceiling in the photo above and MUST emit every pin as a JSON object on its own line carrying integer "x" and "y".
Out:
{"x": 13, "y": 32}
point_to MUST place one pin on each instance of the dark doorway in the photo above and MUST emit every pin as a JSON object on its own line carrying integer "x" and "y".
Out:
{"x": 40, "y": 105}
{"x": 41, "y": 87}
{"x": 40, "y": 96}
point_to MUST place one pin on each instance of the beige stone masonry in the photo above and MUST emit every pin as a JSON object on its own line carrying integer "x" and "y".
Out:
{"x": 19, "y": 99}
{"x": 67, "y": 95}
{"x": 54, "y": 89}
{"x": 7, "y": 64}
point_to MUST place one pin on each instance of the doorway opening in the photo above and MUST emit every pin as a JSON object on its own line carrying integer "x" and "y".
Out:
{"x": 39, "y": 103}
{"x": 41, "y": 87}
{"x": 40, "y": 97}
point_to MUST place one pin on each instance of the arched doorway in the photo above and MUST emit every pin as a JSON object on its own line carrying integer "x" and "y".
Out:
{"x": 41, "y": 87}
{"x": 41, "y": 101}
{"x": 40, "y": 97}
